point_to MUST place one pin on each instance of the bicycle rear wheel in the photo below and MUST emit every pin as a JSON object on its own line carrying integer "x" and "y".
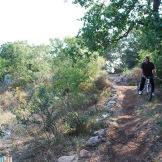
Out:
{"x": 138, "y": 86}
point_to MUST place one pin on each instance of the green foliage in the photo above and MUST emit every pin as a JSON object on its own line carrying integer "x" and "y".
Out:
{"x": 70, "y": 76}
{"x": 74, "y": 48}
{"x": 143, "y": 54}
{"x": 41, "y": 110}
{"x": 77, "y": 122}
{"x": 105, "y": 22}
{"x": 83, "y": 3}
{"x": 63, "y": 97}
{"x": 23, "y": 61}
{"x": 157, "y": 57}
{"x": 2, "y": 66}
{"x": 74, "y": 67}
{"x": 108, "y": 23}
{"x": 65, "y": 76}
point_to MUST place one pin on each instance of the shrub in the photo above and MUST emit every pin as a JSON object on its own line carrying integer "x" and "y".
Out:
{"x": 77, "y": 122}
{"x": 57, "y": 106}
{"x": 23, "y": 61}
{"x": 134, "y": 73}
{"x": 2, "y": 67}
{"x": 101, "y": 83}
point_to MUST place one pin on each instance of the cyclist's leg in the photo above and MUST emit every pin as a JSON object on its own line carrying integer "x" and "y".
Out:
{"x": 152, "y": 84}
{"x": 142, "y": 83}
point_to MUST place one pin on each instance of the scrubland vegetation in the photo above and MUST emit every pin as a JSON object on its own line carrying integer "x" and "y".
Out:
{"x": 53, "y": 91}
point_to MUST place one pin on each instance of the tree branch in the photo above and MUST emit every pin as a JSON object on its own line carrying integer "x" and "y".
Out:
{"x": 126, "y": 33}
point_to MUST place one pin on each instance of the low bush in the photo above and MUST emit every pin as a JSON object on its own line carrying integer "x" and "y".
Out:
{"x": 77, "y": 122}
{"x": 101, "y": 83}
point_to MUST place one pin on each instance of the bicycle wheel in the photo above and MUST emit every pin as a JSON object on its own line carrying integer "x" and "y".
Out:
{"x": 149, "y": 92}
{"x": 138, "y": 86}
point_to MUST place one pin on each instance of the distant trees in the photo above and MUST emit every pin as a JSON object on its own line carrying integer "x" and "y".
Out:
{"x": 23, "y": 60}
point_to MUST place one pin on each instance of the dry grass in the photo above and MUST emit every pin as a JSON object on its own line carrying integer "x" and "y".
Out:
{"x": 10, "y": 99}
{"x": 101, "y": 83}
{"x": 133, "y": 74}
{"x": 6, "y": 117}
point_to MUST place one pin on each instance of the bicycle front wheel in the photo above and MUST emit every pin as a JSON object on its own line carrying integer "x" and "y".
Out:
{"x": 149, "y": 92}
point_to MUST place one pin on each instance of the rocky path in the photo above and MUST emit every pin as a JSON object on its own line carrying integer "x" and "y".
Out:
{"x": 131, "y": 135}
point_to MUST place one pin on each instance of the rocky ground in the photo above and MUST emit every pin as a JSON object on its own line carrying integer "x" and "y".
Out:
{"x": 131, "y": 134}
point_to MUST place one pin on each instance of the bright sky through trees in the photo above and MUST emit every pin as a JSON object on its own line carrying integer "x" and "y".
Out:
{"x": 38, "y": 20}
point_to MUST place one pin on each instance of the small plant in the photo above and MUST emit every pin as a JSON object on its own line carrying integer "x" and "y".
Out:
{"x": 76, "y": 122}
{"x": 101, "y": 83}
{"x": 1, "y": 133}
{"x": 160, "y": 123}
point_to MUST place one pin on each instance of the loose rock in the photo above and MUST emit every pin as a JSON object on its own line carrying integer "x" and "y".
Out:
{"x": 110, "y": 104}
{"x": 94, "y": 141}
{"x": 73, "y": 158}
{"x": 84, "y": 154}
{"x": 101, "y": 133}
{"x": 7, "y": 79}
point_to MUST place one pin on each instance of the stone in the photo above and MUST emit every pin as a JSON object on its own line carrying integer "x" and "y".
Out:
{"x": 101, "y": 133}
{"x": 72, "y": 158}
{"x": 7, "y": 79}
{"x": 118, "y": 80}
{"x": 94, "y": 141}
{"x": 112, "y": 102}
{"x": 84, "y": 154}
{"x": 99, "y": 119}
{"x": 113, "y": 124}
{"x": 7, "y": 134}
{"x": 105, "y": 115}
{"x": 114, "y": 98}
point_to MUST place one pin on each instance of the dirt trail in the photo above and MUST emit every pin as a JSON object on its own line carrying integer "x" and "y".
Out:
{"x": 131, "y": 136}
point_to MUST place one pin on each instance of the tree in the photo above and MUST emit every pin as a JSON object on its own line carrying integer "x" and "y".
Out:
{"x": 24, "y": 61}
{"x": 108, "y": 22}
{"x": 74, "y": 48}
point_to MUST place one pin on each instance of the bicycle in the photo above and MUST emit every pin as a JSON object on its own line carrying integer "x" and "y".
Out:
{"x": 147, "y": 89}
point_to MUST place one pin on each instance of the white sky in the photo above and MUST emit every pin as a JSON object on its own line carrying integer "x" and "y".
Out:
{"x": 38, "y": 20}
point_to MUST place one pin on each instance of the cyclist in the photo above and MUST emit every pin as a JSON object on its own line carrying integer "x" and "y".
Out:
{"x": 147, "y": 70}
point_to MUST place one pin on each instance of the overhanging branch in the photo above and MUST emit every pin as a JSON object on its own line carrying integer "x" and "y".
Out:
{"x": 126, "y": 33}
